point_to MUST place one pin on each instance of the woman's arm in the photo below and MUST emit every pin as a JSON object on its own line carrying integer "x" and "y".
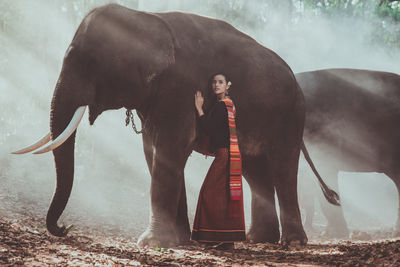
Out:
{"x": 203, "y": 120}
{"x": 198, "y": 102}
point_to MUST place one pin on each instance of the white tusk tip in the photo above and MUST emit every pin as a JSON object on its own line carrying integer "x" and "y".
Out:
{"x": 37, "y": 145}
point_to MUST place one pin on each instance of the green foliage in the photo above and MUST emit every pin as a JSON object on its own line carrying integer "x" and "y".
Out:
{"x": 389, "y": 10}
{"x": 382, "y": 16}
{"x": 336, "y": 8}
{"x": 354, "y": 8}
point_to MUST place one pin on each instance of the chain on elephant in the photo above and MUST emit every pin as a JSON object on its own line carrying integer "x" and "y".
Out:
{"x": 129, "y": 118}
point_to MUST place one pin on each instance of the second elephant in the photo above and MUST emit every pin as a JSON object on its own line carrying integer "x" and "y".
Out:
{"x": 353, "y": 115}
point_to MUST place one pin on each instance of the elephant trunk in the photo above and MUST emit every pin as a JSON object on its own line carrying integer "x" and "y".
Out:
{"x": 64, "y": 161}
{"x": 63, "y": 106}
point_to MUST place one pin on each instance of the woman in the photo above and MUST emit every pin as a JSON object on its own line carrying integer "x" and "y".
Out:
{"x": 219, "y": 219}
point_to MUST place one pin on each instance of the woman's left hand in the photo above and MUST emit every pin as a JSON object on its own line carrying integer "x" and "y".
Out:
{"x": 198, "y": 102}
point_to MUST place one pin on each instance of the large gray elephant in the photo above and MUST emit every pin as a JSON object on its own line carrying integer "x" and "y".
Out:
{"x": 352, "y": 116}
{"x": 154, "y": 63}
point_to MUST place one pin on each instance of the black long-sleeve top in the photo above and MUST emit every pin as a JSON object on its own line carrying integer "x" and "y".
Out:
{"x": 216, "y": 126}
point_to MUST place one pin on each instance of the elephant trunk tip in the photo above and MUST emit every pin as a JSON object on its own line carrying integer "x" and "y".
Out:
{"x": 56, "y": 230}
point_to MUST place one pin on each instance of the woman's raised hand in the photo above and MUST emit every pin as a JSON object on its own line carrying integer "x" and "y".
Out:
{"x": 198, "y": 102}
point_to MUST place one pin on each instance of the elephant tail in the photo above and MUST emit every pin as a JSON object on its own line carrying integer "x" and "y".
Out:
{"x": 329, "y": 194}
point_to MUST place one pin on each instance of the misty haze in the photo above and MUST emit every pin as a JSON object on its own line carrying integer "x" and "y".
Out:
{"x": 111, "y": 191}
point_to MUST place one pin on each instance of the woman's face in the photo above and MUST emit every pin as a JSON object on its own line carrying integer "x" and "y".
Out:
{"x": 219, "y": 85}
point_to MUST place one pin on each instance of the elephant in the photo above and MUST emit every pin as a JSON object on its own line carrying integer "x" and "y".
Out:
{"x": 153, "y": 63}
{"x": 352, "y": 118}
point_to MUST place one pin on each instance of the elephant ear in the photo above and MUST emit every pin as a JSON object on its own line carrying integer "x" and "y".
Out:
{"x": 131, "y": 48}
{"x": 155, "y": 44}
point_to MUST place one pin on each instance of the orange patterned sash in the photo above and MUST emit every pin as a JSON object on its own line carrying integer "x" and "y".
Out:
{"x": 235, "y": 159}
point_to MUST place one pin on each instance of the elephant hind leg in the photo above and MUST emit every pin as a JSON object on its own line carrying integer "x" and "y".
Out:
{"x": 337, "y": 225}
{"x": 264, "y": 220}
{"x": 285, "y": 174}
{"x": 396, "y": 179}
{"x": 309, "y": 207}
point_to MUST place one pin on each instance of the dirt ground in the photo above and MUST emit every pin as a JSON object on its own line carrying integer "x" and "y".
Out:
{"x": 25, "y": 241}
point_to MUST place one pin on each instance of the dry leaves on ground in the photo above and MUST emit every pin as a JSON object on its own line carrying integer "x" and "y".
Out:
{"x": 25, "y": 241}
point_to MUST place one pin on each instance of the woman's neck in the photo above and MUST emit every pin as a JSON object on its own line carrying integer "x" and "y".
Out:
{"x": 221, "y": 96}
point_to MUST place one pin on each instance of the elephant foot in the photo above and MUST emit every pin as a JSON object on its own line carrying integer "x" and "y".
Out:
{"x": 59, "y": 231}
{"x": 266, "y": 234}
{"x": 294, "y": 235}
{"x": 151, "y": 239}
{"x": 162, "y": 239}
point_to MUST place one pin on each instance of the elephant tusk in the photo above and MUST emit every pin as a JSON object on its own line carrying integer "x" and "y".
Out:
{"x": 73, "y": 124}
{"x": 36, "y": 145}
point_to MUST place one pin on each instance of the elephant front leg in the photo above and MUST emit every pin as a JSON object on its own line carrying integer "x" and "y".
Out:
{"x": 182, "y": 220}
{"x": 169, "y": 224}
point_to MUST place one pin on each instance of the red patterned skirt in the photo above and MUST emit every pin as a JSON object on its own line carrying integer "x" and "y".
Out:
{"x": 212, "y": 222}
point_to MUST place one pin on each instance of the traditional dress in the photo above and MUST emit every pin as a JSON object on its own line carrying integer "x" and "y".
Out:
{"x": 219, "y": 214}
